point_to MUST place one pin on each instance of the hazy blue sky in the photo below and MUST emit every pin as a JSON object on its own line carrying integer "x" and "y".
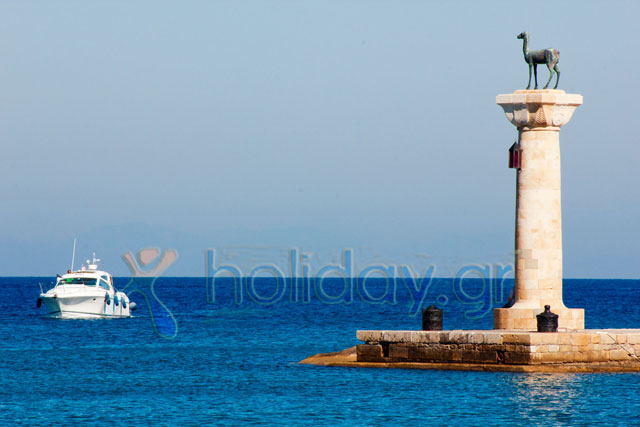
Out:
{"x": 318, "y": 125}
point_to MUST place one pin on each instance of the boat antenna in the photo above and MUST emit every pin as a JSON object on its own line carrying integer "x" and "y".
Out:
{"x": 73, "y": 256}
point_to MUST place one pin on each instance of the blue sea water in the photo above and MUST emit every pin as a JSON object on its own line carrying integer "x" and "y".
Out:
{"x": 227, "y": 353}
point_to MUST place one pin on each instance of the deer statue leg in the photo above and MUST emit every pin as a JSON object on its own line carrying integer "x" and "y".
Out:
{"x": 535, "y": 74}
{"x": 550, "y": 75}
{"x": 557, "y": 75}
{"x": 529, "y": 84}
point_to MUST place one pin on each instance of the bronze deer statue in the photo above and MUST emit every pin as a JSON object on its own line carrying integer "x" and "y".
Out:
{"x": 550, "y": 57}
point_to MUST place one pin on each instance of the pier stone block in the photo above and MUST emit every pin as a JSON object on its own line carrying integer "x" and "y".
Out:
{"x": 369, "y": 353}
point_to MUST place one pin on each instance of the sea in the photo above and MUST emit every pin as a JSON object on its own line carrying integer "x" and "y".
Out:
{"x": 225, "y": 352}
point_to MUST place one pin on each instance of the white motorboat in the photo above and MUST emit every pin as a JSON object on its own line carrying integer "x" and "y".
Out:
{"x": 85, "y": 293}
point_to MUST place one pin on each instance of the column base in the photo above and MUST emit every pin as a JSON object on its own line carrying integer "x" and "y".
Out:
{"x": 525, "y": 318}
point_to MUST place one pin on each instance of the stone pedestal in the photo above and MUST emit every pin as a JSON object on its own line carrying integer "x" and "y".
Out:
{"x": 538, "y": 115}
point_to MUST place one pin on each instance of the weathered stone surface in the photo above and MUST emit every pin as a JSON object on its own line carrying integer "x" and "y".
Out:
{"x": 514, "y": 347}
{"x": 548, "y": 357}
{"x": 548, "y": 338}
{"x": 339, "y": 358}
{"x": 580, "y": 339}
{"x": 428, "y": 353}
{"x": 513, "y": 358}
{"x": 369, "y": 336}
{"x": 369, "y": 352}
{"x": 633, "y": 338}
{"x": 538, "y": 115}
{"x": 539, "y": 108}
{"x": 597, "y": 356}
{"x": 618, "y": 354}
{"x": 444, "y": 337}
{"x": 480, "y": 357}
{"x": 606, "y": 338}
{"x": 398, "y": 351}
{"x": 492, "y": 338}
{"x": 458, "y": 337}
{"x": 491, "y": 347}
{"x": 397, "y": 336}
{"x": 510, "y": 338}
{"x": 621, "y": 338}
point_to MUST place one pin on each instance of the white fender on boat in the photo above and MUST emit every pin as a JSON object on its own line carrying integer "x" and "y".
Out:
{"x": 132, "y": 306}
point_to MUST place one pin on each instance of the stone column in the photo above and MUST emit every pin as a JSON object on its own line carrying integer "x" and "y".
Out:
{"x": 538, "y": 115}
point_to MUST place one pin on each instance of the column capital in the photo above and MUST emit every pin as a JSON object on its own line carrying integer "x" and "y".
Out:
{"x": 539, "y": 109}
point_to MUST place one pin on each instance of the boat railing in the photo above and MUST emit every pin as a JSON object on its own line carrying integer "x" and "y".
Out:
{"x": 75, "y": 287}
{"x": 46, "y": 288}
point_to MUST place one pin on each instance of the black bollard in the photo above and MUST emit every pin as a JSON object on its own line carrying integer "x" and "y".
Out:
{"x": 431, "y": 318}
{"x": 547, "y": 321}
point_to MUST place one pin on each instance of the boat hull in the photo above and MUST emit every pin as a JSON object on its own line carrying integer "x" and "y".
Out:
{"x": 79, "y": 307}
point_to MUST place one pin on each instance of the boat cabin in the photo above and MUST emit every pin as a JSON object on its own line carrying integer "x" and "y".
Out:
{"x": 87, "y": 278}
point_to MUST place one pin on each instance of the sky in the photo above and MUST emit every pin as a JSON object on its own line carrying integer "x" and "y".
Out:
{"x": 257, "y": 128}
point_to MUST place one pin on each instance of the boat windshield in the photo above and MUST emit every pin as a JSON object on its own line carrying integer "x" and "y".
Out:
{"x": 87, "y": 281}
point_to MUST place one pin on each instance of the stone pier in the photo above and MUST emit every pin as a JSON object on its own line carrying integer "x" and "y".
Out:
{"x": 597, "y": 350}
{"x": 538, "y": 115}
{"x": 501, "y": 347}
